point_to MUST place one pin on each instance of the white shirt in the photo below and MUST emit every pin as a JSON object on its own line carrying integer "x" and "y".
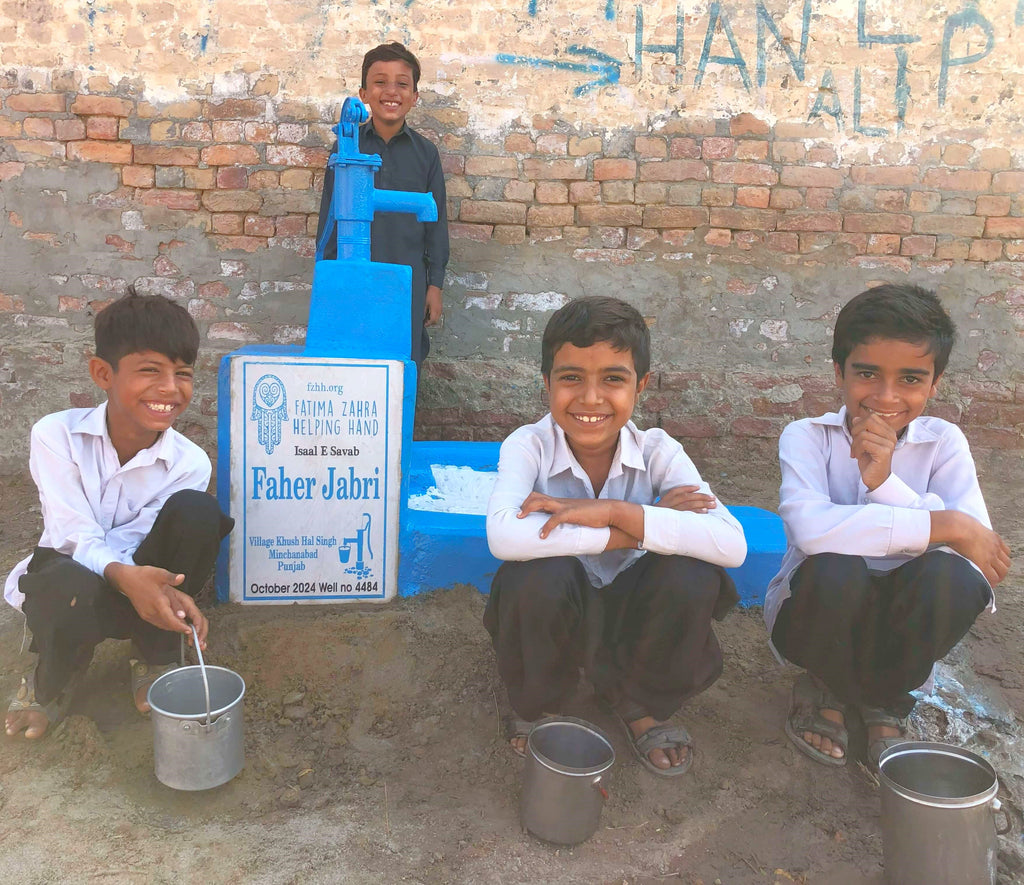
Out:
{"x": 95, "y": 510}
{"x": 827, "y": 508}
{"x": 646, "y": 464}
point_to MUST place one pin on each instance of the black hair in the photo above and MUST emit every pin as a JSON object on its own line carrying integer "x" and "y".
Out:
{"x": 392, "y": 52}
{"x": 585, "y": 321}
{"x": 901, "y": 312}
{"x": 136, "y": 323}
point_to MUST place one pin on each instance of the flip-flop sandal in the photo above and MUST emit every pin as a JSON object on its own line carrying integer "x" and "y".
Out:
{"x": 810, "y": 697}
{"x": 879, "y": 717}
{"x": 55, "y": 711}
{"x": 144, "y": 675}
{"x": 658, "y": 737}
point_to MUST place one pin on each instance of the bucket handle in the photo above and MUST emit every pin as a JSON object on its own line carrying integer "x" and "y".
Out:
{"x": 202, "y": 669}
{"x": 596, "y": 784}
{"x": 997, "y": 808}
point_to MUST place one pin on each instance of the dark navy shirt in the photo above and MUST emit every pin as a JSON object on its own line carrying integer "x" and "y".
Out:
{"x": 410, "y": 162}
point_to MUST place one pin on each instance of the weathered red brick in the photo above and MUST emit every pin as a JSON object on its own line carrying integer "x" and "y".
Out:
{"x": 229, "y": 223}
{"x": 986, "y": 250}
{"x": 650, "y": 146}
{"x": 744, "y": 219}
{"x": 519, "y": 143}
{"x": 492, "y": 212}
{"x": 232, "y": 177}
{"x": 1004, "y": 227}
{"x": 259, "y": 226}
{"x": 121, "y": 244}
{"x": 537, "y": 170}
{"x": 877, "y": 223}
{"x": 584, "y": 191}
{"x": 479, "y": 232}
{"x": 100, "y": 151}
{"x": 924, "y": 201}
{"x": 614, "y": 169}
{"x": 718, "y": 148}
{"x": 718, "y": 236}
{"x": 105, "y": 128}
{"x": 69, "y": 130}
{"x": 621, "y": 215}
{"x": 785, "y": 198}
{"x": 811, "y": 176}
{"x": 751, "y": 150}
{"x": 953, "y": 250}
{"x": 744, "y": 173}
{"x": 232, "y": 201}
{"x": 717, "y": 196}
{"x": 156, "y": 155}
{"x": 684, "y": 148}
{"x": 993, "y": 438}
{"x": 753, "y": 197}
{"x": 552, "y": 216}
{"x": 989, "y": 205}
{"x": 38, "y": 127}
{"x": 819, "y": 197}
{"x": 104, "y": 105}
{"x": 749, "y": 425}
{"x": 958, "y": 179}
{"x": 295, "y": 155}
{"x": 172, "y": 198}
{"x": 778, "y": 241}
{"x": 137, "y": 176}
{"x": 953, "y": 225}
{"x": 291, "y": 226}
{"x": 673, "y": 170}
{"x": 809, "y": 221}
{"x": 884, "y": 244}
{"x": 1008, "y": 182}
{"x": 918, "y": 246}
{"x": 889, "y": 176}
{"x": 234, "y": 109}
{"x": 748, "y": 124}
{"x": 37, "y": 102}
{"x": 690, "y": 427}
{"x": 675, "y": 216}
{"x": 236, "y": 155}
{"x": 492, "y": 167}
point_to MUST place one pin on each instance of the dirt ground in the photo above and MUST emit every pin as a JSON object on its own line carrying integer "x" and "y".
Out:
{"x": 373, "y": 754}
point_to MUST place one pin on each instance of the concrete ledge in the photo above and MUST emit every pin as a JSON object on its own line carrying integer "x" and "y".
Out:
{"x": 441, "y": 549}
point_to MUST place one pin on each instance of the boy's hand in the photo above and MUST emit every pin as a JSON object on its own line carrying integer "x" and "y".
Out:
{"x": 595, "y": 513}
{"x": 687, "y": 498}
{"x": 970, "y": 538}
{"x": 433, "y": 310}
{"x": 874, "y": 441}
{"x": 154, "y": 595}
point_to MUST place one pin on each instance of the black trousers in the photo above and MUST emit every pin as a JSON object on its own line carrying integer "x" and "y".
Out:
{"x": 70, "y": 609}
{"x": 874, "y": 638}
{"x": 646, "y": 636}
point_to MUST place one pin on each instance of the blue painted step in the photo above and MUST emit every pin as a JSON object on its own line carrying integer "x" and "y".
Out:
{"x": 440, "y": 549}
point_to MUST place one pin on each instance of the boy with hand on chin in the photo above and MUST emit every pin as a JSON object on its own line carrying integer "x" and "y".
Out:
{"x": 613, "y": 545}
{"x": 409, "y": 162}
{"x": 129, "y": 534}
{"x": 891, "y": 553}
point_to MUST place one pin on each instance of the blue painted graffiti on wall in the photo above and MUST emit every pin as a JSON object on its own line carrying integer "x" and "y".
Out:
{"x": 966, "y": 28}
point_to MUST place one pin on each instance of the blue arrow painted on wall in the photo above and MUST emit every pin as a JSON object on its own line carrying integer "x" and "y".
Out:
{"x": 606, "y": 67}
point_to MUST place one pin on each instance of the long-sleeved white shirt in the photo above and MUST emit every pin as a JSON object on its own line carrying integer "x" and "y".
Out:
{"x": 646, "y": 465}
{"x": 94, "y": 509}
{"x": 827, "y": 508}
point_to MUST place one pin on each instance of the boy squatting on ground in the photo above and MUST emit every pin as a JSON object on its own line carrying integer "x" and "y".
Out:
{"x": 410, "y": 162}
{"x": 129, "y": 534}
{"x": 891, "y": 553}
{"x": 613, "y": 545}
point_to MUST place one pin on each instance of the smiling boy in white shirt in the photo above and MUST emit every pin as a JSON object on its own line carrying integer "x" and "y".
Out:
{"x": 891, "y": 552}
{"x": 613, "y": 545}
{"x": 129, "y": 534}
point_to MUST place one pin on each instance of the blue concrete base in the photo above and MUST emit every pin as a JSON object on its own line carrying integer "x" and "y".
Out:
{"x": 443, "y": 549}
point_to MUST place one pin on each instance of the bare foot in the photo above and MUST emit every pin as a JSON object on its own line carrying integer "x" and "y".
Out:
{"x": 822, "y": 743}
{"x": 877, "y": 732}
{"x": 32, "y": 722}
{"x": 141, "y": 704}
{"x": 672, "y": 757}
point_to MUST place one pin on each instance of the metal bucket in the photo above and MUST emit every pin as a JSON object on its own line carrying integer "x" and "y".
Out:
{"x": 198, "y": 726}
{"x": 562, "y": 793}
{"x": 938, "y": 815}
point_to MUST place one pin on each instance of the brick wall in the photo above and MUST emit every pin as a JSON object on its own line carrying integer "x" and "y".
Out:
{"x": 737, "y": 217}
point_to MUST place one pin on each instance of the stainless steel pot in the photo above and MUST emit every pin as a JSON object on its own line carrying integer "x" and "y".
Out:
{"x": 563, "y": 794}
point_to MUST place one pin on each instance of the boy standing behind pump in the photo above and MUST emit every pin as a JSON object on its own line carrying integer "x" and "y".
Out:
{"x": 891, "y": 553}
{"x": 409, "y": 162}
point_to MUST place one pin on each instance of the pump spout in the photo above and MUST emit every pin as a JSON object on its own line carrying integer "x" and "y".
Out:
{"x": 420, "y": 205}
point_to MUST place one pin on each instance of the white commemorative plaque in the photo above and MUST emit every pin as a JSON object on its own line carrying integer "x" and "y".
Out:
{"x": 315, "y": 478}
